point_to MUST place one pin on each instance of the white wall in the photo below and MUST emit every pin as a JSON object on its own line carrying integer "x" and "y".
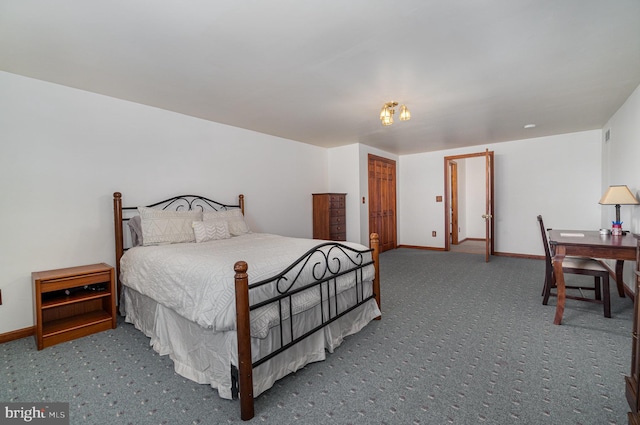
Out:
{"x": 621, "y": 165}
{"x": 344, "y": 177}
{"x": 63, "y": 152}
{"x": 422, "y": 177}
{"x": 621, "y": 160}
{"x": 556, "y": 176}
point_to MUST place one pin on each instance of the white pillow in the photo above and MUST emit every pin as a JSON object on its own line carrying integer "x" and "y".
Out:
{"x": 233, "y": 217}
{"x": 210, "y": 230}
{"x": 162, "y": 226}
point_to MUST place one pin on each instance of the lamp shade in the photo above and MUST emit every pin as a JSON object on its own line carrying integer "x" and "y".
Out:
{"x": 405, "y": 115}
{"x": 618, "y": 195}
{"x": 385, "y": 113}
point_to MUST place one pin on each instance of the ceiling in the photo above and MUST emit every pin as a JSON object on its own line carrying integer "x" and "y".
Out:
{"x": 318, "y": 72}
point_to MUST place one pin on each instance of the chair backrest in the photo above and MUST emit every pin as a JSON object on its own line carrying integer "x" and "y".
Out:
{"x": 545, "y": 241}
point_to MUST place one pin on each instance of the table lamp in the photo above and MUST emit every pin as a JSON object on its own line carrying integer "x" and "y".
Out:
{"x": 618, "y": 195}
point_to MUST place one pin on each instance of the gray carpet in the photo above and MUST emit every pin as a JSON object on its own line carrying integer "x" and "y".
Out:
{"x": 460, "y": 342}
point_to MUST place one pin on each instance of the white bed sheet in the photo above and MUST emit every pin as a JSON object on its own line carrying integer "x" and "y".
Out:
{"x": 196, "y": 280}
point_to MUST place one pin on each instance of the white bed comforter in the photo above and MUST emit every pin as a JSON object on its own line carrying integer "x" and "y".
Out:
{"x": 197, "y": 279}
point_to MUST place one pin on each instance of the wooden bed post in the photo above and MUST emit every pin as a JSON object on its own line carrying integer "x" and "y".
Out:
{"x": 241, "y": 203}
{"x": 117, "y": 217}
{"x": 374, "y": 243}
{"x": 245, "y": 370}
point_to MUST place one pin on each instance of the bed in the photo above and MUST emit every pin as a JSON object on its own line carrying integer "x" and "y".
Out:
{"x": 236, "y": 309}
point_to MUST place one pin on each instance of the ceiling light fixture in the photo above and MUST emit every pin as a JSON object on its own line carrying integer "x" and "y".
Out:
{"x": 529, "y": 126}
{"x": 386, "y": 114}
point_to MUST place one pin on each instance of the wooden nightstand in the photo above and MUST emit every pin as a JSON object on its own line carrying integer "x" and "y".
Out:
{"x": 73, "y": 302}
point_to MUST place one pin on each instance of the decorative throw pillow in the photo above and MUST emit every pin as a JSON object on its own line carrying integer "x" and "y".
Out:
{"x": 233, "y": 217}
{"x": 210, "y": 230}
{"x": 161, "y": 226}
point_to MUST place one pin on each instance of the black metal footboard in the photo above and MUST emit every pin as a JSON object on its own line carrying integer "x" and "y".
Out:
{"x": 322, "y": 272}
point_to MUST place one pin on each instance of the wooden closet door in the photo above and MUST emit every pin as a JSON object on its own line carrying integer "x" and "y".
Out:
{"x": 382, "y": 201}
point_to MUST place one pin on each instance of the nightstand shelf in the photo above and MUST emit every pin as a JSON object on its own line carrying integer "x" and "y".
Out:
{"x": 72, "y": 299}
{"x": 73, "y": 302}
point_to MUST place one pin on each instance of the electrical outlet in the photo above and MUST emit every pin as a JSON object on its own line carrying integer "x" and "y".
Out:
{"x": 433, "y": 233}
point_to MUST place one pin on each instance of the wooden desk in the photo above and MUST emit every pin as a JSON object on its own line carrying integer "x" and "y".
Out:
{"x": 591, "y": 244}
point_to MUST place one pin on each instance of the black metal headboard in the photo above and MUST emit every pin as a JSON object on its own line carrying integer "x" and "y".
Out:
{"x": 178, "y": 203}
{"x": 189, "y": 203}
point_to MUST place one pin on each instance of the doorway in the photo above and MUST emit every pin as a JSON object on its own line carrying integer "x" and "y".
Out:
{"x": 474, "y": 195}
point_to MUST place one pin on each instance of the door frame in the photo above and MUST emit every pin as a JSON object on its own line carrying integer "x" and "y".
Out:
{"x": 453, "y": 227}
{"x": 447, "y": 196}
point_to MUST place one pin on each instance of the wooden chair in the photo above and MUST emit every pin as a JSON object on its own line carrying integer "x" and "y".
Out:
{"x": 576, "y": 265}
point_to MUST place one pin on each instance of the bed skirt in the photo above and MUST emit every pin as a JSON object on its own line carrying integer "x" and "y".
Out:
{"x": 205, "y": 356}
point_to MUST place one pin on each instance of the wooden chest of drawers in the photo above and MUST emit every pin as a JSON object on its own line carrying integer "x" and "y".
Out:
{"x": 329, "y": 216}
